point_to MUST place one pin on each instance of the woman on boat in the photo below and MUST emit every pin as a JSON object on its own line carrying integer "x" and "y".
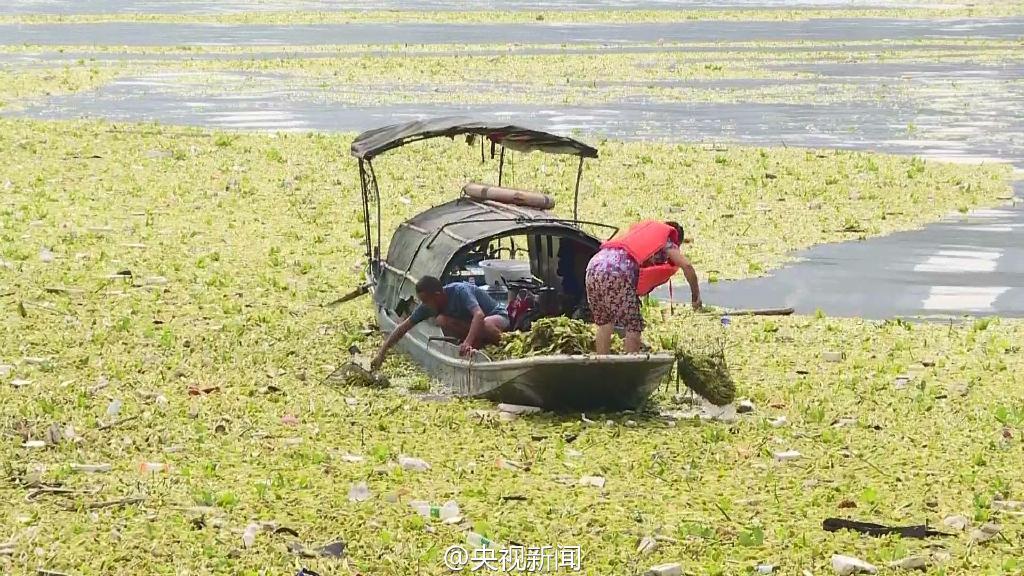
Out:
{"x": 631, "y": 266}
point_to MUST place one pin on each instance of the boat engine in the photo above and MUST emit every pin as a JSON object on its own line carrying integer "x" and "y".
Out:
{"x": 533, "y": 300}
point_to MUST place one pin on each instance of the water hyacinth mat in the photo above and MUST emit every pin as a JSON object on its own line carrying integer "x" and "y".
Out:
{"x": 163, "y": 343}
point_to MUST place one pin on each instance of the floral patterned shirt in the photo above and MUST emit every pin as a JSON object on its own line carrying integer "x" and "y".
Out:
{"x": 617, "y": 260}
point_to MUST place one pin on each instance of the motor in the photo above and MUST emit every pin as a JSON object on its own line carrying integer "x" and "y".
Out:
{"x": 533, "y": 300}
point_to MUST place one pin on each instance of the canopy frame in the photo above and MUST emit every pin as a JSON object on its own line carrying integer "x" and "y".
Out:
{"x": 372, "y": 143}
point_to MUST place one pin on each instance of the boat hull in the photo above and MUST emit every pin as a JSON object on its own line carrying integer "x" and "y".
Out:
{"x": 560, "y": 382}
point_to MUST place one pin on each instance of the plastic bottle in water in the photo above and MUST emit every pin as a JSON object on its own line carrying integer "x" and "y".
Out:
{"x": 450, "y": 509}
{"x": 479, "y": 541}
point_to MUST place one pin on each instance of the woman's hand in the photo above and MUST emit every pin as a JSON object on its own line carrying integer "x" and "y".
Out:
{"x": 697, "y": 304}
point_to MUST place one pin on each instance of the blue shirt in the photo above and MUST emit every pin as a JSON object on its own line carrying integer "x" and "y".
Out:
{"x": 463, "y": 299}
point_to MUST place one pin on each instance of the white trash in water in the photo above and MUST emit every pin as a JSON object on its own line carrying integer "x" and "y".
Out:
{"x": 414, "y": 464}
{"x": 847, "y": 565}
{"x": 673, "y": 569}
{"x": 449, "y": 510}
{"x": 788, "y": 455}
{"x": 518, "y": 409}
{"x": 359, "y": 492}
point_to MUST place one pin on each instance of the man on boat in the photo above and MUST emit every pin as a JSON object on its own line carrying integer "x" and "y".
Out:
{"x": 631, "y": 266}
{"x": 462, "y": 310}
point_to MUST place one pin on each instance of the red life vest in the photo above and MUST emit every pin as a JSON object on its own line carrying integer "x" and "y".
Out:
{"x": 641, "y": 241}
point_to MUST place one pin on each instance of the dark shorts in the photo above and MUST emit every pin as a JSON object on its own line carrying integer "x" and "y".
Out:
{"x": 613, "y": 299}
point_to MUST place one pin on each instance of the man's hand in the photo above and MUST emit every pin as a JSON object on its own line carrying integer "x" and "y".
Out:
{"x": 465, "y": 348}
{"x": 697, "y": 304}
{"x": 376, "y": 362}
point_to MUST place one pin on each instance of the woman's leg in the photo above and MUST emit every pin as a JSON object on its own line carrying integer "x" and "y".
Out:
{"x": 633, "y": 342}
{"x": 603, "y": 344}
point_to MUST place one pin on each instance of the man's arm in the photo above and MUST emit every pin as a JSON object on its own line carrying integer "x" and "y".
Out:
{"x": 396, "y": 335}
{"x": 677, "y": 258}
{"x": 475, "y": 326}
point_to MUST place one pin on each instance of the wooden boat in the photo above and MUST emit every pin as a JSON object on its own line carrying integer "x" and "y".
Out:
{"x": 450, "y": 240}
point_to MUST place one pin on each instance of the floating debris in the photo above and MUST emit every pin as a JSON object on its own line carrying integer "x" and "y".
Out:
{"x": 1007, "y": 505}
{"x": 788, "y": 455}
{"x": 832, "y": 356}
{"x": 359, "y": 492}
{"x": 154, "y": 467}
{"x": 673, "y": 569}
{"x": 646, "y": 546}
{"x": 847, "y": 565}
{"x": 985, "y": 532}
{"x": 959, "y": 523}
{"x": 413, "y": 464}
{"x": 518, "y": 409}
{"x": 92, "y": 468}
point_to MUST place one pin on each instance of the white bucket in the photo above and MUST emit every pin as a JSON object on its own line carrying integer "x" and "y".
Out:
{"x": 509, "y": 270}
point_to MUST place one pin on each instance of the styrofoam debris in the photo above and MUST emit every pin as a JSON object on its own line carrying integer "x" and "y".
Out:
{"x": 595, "y": 481}
{"x": 518, "y": 409}
{"x": 359, "y": 492}
{"x": 984, "y": 533}
{"x": 672, "y": 569}
{"x": 646, "y": 546}
{"x": 249, "y": 535}
{"x": 413, "y": 464}
{"x": 847, "y": 565}
{"x": 957, "y": 522}
{"x": 1007, "y": 505}
{"x": 92, "y": 468}
{"x": 788, "y": 455}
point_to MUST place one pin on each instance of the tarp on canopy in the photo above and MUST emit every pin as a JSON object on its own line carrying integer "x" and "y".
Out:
{"x": 371, "y": 143}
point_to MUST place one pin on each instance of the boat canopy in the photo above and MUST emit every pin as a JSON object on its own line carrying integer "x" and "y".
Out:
{"x": 426, "y": 244}
{"x": 374, "y": 142}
